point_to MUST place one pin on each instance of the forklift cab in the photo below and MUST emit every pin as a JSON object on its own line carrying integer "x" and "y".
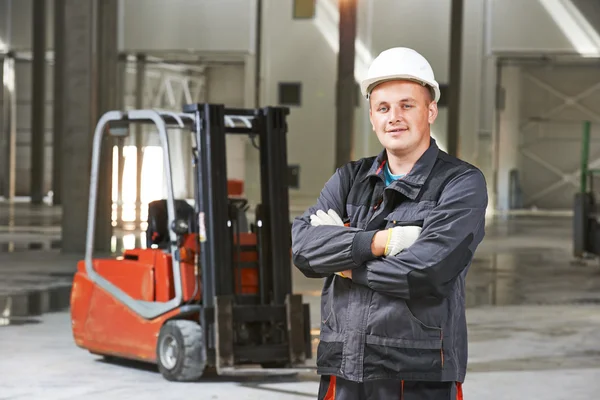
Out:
{"x": 215, "y": 292}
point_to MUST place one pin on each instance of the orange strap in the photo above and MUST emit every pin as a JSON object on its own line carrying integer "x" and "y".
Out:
{"x": 459, "y": 394}
{"x": 330, "y": 395}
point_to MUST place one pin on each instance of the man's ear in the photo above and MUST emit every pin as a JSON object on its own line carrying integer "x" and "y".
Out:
{"x": 433, "y": 112}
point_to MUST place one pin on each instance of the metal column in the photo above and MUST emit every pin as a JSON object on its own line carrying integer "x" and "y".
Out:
{"x": 38, "y": 100}
{"x": 58, "y": 100}
{"x": 346, "y": 91}
{"x": 456, "y": 28}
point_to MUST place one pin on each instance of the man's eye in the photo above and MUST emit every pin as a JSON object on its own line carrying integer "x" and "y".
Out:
{"x": 382, "y": 109}
{"x": 407, "y": 106}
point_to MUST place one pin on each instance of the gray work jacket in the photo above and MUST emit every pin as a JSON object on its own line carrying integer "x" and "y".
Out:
{"x": 403, "y": 316}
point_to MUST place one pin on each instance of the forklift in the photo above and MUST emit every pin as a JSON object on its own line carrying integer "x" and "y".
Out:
{"x": 208, "y": 290}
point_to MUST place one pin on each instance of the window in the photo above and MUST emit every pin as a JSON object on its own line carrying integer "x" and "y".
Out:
{"x": 290, "y": 93}
{"x": 304, "y": 9}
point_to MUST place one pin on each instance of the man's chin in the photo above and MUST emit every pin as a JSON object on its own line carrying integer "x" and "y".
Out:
{"x": 397, "y": 146}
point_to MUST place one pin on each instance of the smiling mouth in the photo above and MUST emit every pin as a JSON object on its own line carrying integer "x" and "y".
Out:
{"x": 397, "y": 130}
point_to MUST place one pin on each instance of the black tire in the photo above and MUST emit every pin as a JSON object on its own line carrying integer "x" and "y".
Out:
{"x": 180, "y": 352}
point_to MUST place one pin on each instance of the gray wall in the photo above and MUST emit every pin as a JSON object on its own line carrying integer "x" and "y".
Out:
{"x": 206, "y": 26}
{"x": 16, "y": 26}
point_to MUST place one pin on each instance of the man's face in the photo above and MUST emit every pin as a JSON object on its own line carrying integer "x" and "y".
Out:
{"x": 401, "y": 112}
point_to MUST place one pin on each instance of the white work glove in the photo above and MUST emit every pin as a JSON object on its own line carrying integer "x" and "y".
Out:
{"x": 401, "y": 237}
{"x": 322, "y": 218}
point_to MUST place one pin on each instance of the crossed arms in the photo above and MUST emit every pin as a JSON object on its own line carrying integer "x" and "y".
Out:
{"x": 426, "y": 266}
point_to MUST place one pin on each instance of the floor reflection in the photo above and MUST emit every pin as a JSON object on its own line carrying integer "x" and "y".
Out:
{"x": 533, "y": 276}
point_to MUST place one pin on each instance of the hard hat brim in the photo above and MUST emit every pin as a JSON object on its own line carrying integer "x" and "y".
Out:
{"x": 367, "y": 85}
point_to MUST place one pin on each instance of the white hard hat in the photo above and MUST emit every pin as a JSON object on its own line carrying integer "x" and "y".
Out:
{"x": 396, "y": 64}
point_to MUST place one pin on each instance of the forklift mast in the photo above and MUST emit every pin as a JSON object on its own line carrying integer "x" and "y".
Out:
{"x": 272, "y": 217}
{"x": 221, "y": 303}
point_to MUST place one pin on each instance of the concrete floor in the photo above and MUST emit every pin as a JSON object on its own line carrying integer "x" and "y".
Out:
{"x": 533, "y": 315}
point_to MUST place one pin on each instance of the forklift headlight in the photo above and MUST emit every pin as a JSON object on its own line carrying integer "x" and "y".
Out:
{"x": 180, "y": 226}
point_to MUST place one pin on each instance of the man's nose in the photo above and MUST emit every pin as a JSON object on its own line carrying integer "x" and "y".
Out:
{"x": 395, "y": 115}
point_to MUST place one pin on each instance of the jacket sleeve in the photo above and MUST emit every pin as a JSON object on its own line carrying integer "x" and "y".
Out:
{"x": 319, "y": 251}
{"x": 445, "y": 247}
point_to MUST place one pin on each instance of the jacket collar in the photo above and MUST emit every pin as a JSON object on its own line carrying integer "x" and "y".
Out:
{"x": 411, "y": 183}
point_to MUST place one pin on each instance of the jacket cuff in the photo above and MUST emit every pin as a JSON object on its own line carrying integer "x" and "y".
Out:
{"x": 361, "y": 247}
{"x": 359, "y": 276}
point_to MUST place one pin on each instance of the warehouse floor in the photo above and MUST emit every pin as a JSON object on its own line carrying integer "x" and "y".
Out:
{"x": 533, "y": 314}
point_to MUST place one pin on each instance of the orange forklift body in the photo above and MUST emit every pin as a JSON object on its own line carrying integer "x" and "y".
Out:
{"x": 103, "y": 325}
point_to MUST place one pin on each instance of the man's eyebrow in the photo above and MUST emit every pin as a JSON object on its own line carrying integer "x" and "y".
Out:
{"x": 404, "y": 100}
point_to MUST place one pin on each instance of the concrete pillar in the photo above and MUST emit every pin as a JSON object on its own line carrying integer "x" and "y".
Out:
{"x": 107, "y": 66}
{"x": 121, "y": 82}
{"x": 508, "y": 131}
{"x": 90, "y": 63}
{"x": 38, "y": 100}
{"x": 140, "y": 79}
{"x": 484, "y": 149}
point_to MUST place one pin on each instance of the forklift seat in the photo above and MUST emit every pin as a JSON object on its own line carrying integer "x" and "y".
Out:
{"x": 158, "y": 221}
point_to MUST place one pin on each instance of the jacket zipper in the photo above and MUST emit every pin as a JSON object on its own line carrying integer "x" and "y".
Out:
{"x": 377, "y": 207}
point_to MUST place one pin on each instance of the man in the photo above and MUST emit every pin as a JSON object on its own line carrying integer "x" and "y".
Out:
{"x": 394, "y": 236}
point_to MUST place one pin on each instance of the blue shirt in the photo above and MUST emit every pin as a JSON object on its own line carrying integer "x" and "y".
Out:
{"x": 389, "y": 177}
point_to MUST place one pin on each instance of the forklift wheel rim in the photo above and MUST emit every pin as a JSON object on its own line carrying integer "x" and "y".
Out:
{"x": 169, "y": 352}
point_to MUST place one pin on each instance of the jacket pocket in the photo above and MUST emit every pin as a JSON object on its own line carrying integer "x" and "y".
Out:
{"x": 334, "y": 304}
{"x": 409, "y": 214}
{"x": 429, "y": 311}
{"x": 391, "y": 318}
{"x": 398, "y": 343}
